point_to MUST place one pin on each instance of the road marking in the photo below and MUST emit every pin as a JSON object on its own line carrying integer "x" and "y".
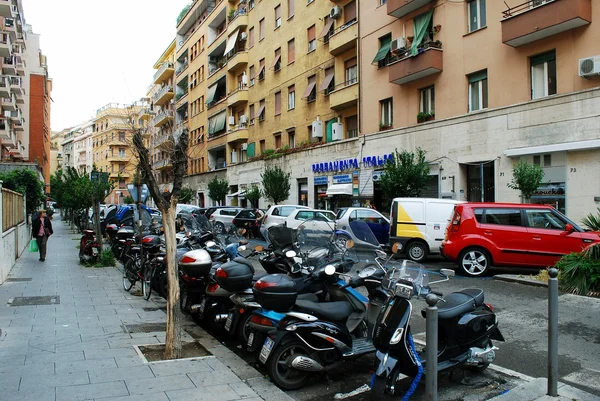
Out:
{"x": 362, "y": 389}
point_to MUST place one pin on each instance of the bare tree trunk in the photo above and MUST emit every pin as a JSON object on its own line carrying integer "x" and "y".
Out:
{"x": 97, "y": 228}
{"x": 173, "y": 340}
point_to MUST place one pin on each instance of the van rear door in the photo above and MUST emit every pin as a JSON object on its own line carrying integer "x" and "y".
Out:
{"x": 408, "y": 220}
{"x": 438, "y": 214}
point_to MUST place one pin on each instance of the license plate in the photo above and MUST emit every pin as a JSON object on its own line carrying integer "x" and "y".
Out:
{"x": 250, "y": 339}
{"x": 228, "y": 322}
{"x": 266, "y": 350}
{"x": 203, "y": 306}
{"x": 95, "y": 251}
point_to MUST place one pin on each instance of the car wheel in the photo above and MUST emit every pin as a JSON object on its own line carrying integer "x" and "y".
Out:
{"x": 417, "y": 251}
{"x": 341, "y": 240}
{"x": 219, "y": 228}
{"x": 474, "y": 262}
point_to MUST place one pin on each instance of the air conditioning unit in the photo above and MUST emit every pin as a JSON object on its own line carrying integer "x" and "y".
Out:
{"x": 231, "y": 120}
{"x": 243, "y": 36}
{"x": 233, "y": 157}
{"x": 337, "y": 133}
{"x": 589, "y": 66}
{"x": 244, "y": 146}
{"x": 243, "y": 119}
{"x": 317, "y": 128}
{"x": 376, "y": 177}
{"x": 398, "y": 43}
{"x": 244, "y": 80}
{"x": 335, "y": 12}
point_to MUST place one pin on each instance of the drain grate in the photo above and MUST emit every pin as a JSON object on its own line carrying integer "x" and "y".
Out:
{"x": 144, "y": 327}
{"x": 19, "y": 279}
{"x": 154, "y": 309}
{"x": 35, "y": 301}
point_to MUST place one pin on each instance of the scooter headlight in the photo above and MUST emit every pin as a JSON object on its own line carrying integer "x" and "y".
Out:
{"x": 397, "y": 336}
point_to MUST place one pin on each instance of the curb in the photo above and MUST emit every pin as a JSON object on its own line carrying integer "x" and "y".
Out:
{"x": 520, "y": 279}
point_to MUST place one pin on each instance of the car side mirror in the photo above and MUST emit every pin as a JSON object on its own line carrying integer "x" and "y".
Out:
{"x": 569, "y": 228}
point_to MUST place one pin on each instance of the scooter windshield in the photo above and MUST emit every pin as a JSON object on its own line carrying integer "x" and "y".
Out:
{"x": 315, "y": 239}
{"x": 362, "y": 232}
{"x": 406, "y": 272}
{"x": 188, "y": 223}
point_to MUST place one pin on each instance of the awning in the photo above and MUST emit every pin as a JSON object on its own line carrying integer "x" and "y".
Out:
{"x": 231, "y": 41}
{"x": 556, "y": 147}
{"x": 339, "y": 189}
{"x": 327, "y": 80}
{"x": 210, "y": 93}
{"x": 309, "y": 89}
{"x": 238, "y": 193}
{"x": 326, "y": 28}
{"x": 386, "y": 46}
{"x": 216, "y": 123}
{"x": 260, "y": 111}
{"x": 277, "y": 58}
{"x": 260, "y": 70}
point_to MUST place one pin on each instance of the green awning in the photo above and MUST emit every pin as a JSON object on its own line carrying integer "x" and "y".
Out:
{"x": 386, "y": 46}
{"x": 220, "y": 121}
{"x": 210, "y": 94}
{"x": 251, "y": 149}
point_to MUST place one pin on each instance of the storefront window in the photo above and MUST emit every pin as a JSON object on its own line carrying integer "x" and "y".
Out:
{"x": 552, "y": 194}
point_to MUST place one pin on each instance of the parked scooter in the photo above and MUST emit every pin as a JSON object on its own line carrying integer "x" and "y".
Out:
{"x": 466, "y": 328}
{"x": 88, "y": 247}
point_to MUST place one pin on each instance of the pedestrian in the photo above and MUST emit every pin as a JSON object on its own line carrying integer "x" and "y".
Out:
{"x": 41, "y": 230}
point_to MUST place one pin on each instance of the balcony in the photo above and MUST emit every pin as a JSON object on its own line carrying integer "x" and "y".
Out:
{"x": 121, "y": 174}
{"x": 239, "y": 20}
{"x": 18, "y": 124}
{"x": 15, "y": 83}
{"x": 164, "y": 72}
{"x": 5, "y": 45}
{"x": 161, "y": 164}
{"x": 343, "y": 38}
{"x": 344, "y": 95}
{"x": 9, "y": 66}
{"x": 182, "y": 67}
{"x": 117, "y": 159}
{"x": 6, "y": 132}
{"x": 20, "y": 65}
{"x": 238, "y": 60}
{"x": 5, "y": 8}
{"x": 146, "y": 114}
{"x": 238, "y": 133}
{"x": 20, "y": 97}
{"x": 9, "y": 103}
{"x": 18, "y": 151}
{"x": 161, "y": 141}
{"x": 527, "y": 23}
{"x": 238, "y": 96}
{"x": 163, "y": 95}
{"x": 162, "y": 118}
{"x": 399, "y": 8}
{"x": 4, "y": 87}
{"x": 411, "y": 68}
{"x": 16, "y": 115}
{"x": 9, "y": 27}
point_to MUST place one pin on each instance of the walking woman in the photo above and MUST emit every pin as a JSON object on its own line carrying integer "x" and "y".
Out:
{"x": 41, "y": 230}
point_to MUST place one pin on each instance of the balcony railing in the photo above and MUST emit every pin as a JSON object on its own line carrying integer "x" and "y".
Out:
{"x": 162, "y": 69}
{"x": 162, "y": 92}
{"x": 163, "y": 115}
{"x": 182, "y": 67}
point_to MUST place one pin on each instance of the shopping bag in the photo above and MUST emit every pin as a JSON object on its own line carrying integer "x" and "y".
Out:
{"x": 33, "y": 246}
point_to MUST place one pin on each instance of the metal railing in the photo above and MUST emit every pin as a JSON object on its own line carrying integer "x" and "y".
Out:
{"x": 13, "y": 212}
{"x": 399, "y": 55}
{"x": 182, "y": 67}
{"x": 162, "y": 91}
{"x": 164, "y": 66}
{"x": 162, "y": 115}
{"x": 341, "y": 28}
{"x": 520, "y": 8}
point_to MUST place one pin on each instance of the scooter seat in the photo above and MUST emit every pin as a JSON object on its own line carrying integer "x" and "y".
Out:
{"x": 458, "y": 303}
{"x": 334, "y": 311}
{"x": 308, "y": 297}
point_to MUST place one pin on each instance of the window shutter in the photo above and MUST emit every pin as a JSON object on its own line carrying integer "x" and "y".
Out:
{"x": 277, "y": 103}
{"x": 349, "y": 12}
{"x": 478, "y": 76}
{"x": 311, "y": 33}
{"x": 291, "y": 51}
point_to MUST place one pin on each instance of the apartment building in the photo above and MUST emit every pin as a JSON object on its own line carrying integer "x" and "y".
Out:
{"x": 112, "y": 147}
{"x": 83, "y": 148}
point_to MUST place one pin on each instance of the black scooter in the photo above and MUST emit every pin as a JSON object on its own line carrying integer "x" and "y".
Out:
{"x": 466, "y": 328}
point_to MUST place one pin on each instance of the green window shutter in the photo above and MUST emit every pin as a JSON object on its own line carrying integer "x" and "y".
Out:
{"x": 478, "y": 76}
{"x": 543, "y": 58}
{"x": 251, "y": 149}
{"x": 386, "y": 45}
{"x": 420, "y": 30}
{"x": 329, "y": 130}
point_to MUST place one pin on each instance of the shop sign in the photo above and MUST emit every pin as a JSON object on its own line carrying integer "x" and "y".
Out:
{"x": 321, "y": 180}
{"x": 342, "y": 179}
{"x": 377, "y": 161}
{"x": 351, "y": 164}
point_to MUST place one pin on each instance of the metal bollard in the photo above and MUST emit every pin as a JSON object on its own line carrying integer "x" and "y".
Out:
{"x": 431, "y": 345}
{"x": 553, "y": 333}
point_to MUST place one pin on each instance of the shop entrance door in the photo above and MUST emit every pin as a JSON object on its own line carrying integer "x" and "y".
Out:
{"x": 481, "y": 182}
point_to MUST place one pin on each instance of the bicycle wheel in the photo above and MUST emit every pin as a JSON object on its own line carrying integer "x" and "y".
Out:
{"x": 127, "y": 279}
{"x": 147, "y": 281}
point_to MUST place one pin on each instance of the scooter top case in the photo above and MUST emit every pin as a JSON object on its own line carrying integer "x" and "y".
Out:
{"x": 276, "y": 292}
{"x": 235, "y": 275}
{"x": 196, "y": 263}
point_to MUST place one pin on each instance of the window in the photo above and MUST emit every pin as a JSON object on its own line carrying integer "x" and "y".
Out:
{"x": 251, "y": 4}
{"x": 327, "y": 28}
{"x": 427, "y": 100}
{"x": 292, "y": 139}
{"x": 121, "y": 152}
{"x": 328, "y": 83}
{"x": 251, "y": 37}
{"x": 544, "y": 218}
{"x": 290, "y": 8}
{"x": 383, "y": 54}
{"x": 251, "y": 75}
{"x": 201, "y": 73}
{"x": 387, "y": 116}
{"x": 476, "y": 14}
{"x": 278, "y": 105}
{"x": 261, "y": 110}
{"x": 547, "y": 160}
{"x": 478, "y": 91}
{"x": 278, "y": 16}
{"x": 350, "y": 12}
{"x": 311, "y": 91}
{"x": 277, "y": 141}
{"x": 262, "y": 146}
{"x": 277, "y": 60}
{"x": 505, "y": 217}
{"x": 251, "y": 111}
{"x": 352, "y": 127}
{"x": 291, "y": 97}
{"x": 309, "y": 2}
{"x": 121, "y": 136}
{"x": 261, "y": 27}
{"x": 543, "y": 75}
{"x": 312, "y": 41}
{"x": 291, "y": 51}
{"x": 382, "y": 2}
{"x": 351, "y": 71}
{"x": 261, "y": 70}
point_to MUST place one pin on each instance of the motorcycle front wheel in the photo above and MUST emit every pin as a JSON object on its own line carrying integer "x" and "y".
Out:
{"x": 377, "y": 388}
{"x": 284, "y": 377}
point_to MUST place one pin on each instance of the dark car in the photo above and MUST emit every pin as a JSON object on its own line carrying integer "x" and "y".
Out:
{"x": 250, "y": 219}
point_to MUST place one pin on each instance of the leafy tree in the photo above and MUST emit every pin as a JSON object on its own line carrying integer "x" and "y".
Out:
{"x": 276, "y": 184}
{"x": 27, "y": 183}
{"x": 128, "y": 200}
{"x": 186, "y": 195}
{"x": 405, "y": 175}
{"x": 527, "y": 178}
{"x": 253, "y": 195}
{"x": 217, "y": 190}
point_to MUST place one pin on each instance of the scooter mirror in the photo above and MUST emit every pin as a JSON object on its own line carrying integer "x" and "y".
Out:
{"x": 259, "y": 248}
{"x": 210, "y": 244}
{"x": 244, "y": 241}
{"x": 296, "y": 268}
{"x": 397, "y": 247}
{"x": 241, "y": 248}
{"x": 349, "y": 244}
{"x": 330, "y": 270}
{"x": 447, "y": 272}
{"x": 290, "y": 254}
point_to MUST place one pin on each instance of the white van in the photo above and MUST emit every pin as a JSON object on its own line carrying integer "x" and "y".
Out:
{"x": 419, "y": 224}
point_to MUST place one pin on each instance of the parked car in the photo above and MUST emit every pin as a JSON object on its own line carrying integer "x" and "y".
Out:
{"x": 250, "y": 219}
{"x": 299, "y": 216}
{"x": 377, "y": 222}
{"x": 505, "y": 234}
{"x": 209, "y": 211}
{"x": 223, "y": 217}
{"x": 185, "y": 208}
{"x": 419, "y": 225}
{"x": 277, "y": 215}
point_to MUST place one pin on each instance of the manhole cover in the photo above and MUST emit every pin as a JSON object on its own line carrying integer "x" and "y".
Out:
{"x": 144, "y": 327}
{"x": 35, "y": 301}
{"x": 18, "y": 279}
{"x": 154, "y": 309}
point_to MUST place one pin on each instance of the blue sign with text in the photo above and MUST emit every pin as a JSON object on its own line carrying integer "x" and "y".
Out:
{"x": 321, "y": 180}
{"x": 351, "y": 164}
{"x": 342, "y": 179}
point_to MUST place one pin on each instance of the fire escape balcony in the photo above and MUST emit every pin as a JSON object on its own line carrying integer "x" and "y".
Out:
{"x": 399, "y": 8}
{"x": 343, "y": 38}
{"x": 163, "y": 73}
{"x": 429, "y": 61}
{"x": 539, "y": 19}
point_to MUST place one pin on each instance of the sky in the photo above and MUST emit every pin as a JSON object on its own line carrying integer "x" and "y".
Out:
{"x": 100, "y": 52}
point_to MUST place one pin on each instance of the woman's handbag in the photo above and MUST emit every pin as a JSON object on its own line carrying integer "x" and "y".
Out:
{"x": 47, "y": 232}
{"x": 33, "y": 245}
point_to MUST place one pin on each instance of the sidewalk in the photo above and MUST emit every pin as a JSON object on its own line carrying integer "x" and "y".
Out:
{"x": 68, "y": 343}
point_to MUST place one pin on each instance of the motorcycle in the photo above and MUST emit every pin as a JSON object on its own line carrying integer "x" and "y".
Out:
{"x": 88, "y": 247}
{"x": 466, "y": 328}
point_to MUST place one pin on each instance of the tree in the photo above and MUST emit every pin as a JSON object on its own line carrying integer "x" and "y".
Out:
{"x": 128, "y": 200}
{"x": 405, "y": 175}
{"x": 276, "y": 184}
{"x": 186, "y": 195}
{"x": 217, "y": 190}
{"x": 253, "y": 195}
{"x": 27, "y": 183}
{"x": 527, "y": 178}
{"x": 167, "y": 204}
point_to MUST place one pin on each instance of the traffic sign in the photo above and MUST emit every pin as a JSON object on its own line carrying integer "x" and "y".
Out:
{"x": 132, "y": 188}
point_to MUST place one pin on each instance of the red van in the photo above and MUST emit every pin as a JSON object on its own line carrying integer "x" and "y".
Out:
{"x": 510, "y": 234}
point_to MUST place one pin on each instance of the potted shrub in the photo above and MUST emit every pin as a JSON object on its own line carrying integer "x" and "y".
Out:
{"x": 436, "y": 44}
{"x": 422, "y": 117}
{"x": 383, "y": 127}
